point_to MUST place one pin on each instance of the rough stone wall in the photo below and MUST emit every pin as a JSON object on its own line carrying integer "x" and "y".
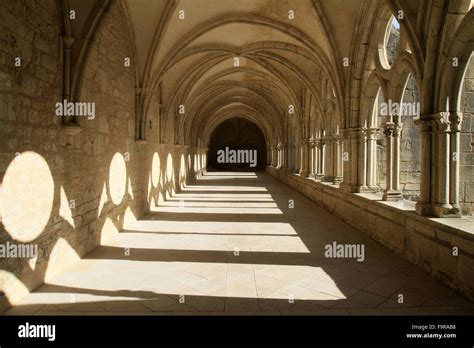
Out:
{"x": 100, "y": 179}
{"x": 104, "y": 154}
{"x": 466, "y": 185}
{"x": 72, "y": 191}
{"x": 31, "y": 141}
{"x": 165, "y": 168}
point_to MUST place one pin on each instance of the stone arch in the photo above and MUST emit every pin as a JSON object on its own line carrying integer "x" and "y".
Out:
{"x": 461, "y": 48}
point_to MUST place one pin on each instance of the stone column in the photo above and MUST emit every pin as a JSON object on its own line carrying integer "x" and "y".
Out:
{"x": 283, "y": 156}
{"x": 67, "y": 42}
{"x": 271, "y": 155}
{"x": 442, "y": 207}
{"x": 397, "y": 131}
{"x": 455, "y": 119}
{"x": 361, "y": 166}
{"x": 354, "y": 160}
{"x": 314, "y": 158}
{"x": 304, "y": 166}
{"x": 69, "y": 123}
{"x": 298, "y": 154}
{"x": 204, "y": 159}
{"x": 388, "y": 132}
{"x": 321, "y": 158}
{"x": 328, "y": 159}
{"x": 338, "y": 149}
{"x": 198, "y": 159}
{"x": 289, "y": 151}
{"x": 294, "y": 156}
{"x": 276, "y": 154}
{"x": 423, "y": 207}
{"x": 371, "y": 152}
{"x": 279, "y": 156}
{"x": 390, "y": 194}
{"x": 348, "y": 157}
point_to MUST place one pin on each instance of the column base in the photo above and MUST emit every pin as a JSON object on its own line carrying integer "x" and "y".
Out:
{"x": 392, "y": 196}
{"x": 318, "y": 177}
{"x": 367, "y": 189}
{"x": 374, "y": 188}
{"x": 337, "y": 180}
{"x": 71, "y": 128}
{"x": 446, "y": 210}
{"x": 357, "y": 188}
{"x": 303, "y": 174}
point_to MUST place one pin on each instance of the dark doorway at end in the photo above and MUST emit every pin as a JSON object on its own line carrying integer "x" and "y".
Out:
{"x": 237, "y": 144}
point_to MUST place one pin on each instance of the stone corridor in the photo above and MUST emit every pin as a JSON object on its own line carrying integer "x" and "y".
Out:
{"x": 204, "y": 156}
{"x": 231, "y": 243}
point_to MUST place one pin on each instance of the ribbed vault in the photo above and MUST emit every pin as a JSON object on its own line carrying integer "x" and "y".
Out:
{"x": 211, "y": 60}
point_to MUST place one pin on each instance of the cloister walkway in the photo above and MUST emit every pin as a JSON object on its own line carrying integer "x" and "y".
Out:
{"x": 234, "y": 243}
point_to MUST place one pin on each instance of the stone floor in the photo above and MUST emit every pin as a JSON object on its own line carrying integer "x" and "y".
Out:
{"x": 231, "y": 244}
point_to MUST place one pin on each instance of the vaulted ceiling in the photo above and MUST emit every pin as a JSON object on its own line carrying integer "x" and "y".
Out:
{"x": 252, "y": 58}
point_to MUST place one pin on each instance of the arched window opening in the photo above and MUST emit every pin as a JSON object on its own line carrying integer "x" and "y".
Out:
{"x": 391, "y": 43}
{"x": 410, "y": 142}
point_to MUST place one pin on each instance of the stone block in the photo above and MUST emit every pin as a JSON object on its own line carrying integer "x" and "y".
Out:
{"x": 463, "y": 244}
{"x": 50, "y": 63}
{"x": 446, "y": 262}
{"x": 422, "y": 228}
{"x": 465, "y": 272}
{"x": 397, "y": 237}
{"x": 413, "y": 246}
{"x": 5, "y": 81}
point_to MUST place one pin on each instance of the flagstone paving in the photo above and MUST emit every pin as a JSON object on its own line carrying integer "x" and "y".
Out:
{"x": 231, "y": 244}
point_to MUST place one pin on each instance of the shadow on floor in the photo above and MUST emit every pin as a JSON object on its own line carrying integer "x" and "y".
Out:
{"x": 280, "y": 266}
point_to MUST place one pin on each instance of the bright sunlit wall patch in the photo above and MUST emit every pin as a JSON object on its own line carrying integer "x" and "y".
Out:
{"x": 117, "y": 178}
{"x": 26, "y": 196}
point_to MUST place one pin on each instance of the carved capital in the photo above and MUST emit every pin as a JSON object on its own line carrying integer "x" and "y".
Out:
{"x": 441, "y": 120}
{"x": 397, "y": 129}
{"x": 455, "y": 118}
{"x": 388, "y": 129}
{"x": 371, "y": 132}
